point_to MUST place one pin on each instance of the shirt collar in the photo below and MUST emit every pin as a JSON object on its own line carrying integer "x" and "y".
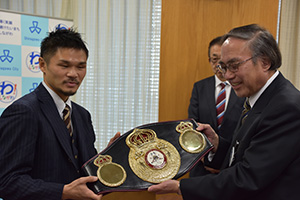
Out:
{"x": 60, "y": 104}
{"x": 254, "y": 98}
{"x": 218, "y": 81}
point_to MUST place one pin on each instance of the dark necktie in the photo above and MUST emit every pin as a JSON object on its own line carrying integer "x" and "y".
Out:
{"x": 246, "y": 110}
{"x": 67, "y": 119}
{"x": 220, "y": 104}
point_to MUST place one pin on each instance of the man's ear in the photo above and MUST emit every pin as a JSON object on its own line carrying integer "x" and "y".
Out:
{"x": 42, "y": 64}
{"x": 266, "y": 63}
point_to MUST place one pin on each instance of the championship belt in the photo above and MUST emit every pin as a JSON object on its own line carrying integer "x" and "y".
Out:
{"x": 147, "y": 155}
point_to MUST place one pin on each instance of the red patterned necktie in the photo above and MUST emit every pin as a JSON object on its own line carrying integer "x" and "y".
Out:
{"x": 67, "y": 118}
{"x": 220, "y": 104}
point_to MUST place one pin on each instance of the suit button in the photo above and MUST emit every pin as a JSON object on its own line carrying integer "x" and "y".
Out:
{"x": 77, "y": 171}
{"x": 73, "y": 141}
{"x": 76, "y": 156}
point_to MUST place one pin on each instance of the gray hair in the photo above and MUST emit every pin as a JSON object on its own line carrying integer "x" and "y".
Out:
{"x": 260, "y": 41}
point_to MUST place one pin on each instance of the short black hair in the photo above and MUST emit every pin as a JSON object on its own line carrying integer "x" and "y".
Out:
{"x": 61, "y": 38}
{"x": 217, "y": 40}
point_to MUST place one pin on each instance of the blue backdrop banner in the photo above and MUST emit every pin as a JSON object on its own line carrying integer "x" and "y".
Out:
{"x": 20, "y": 38}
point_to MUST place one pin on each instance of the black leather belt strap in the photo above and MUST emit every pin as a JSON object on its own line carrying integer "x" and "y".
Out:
{"x": 118, "y": 154}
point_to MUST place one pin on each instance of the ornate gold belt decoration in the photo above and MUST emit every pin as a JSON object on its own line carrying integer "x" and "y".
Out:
{"x": 109, "y": 173}
{"x": 150, "y": 158}
{"x": 190, "y": 140}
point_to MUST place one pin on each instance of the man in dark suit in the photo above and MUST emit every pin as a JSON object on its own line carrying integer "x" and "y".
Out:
{"x": 263, "y": 160}
{"x": 40, "y": 155}
{"x": 203, "y": 106}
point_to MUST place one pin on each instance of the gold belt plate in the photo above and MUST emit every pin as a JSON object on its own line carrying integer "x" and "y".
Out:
{"x": 109, "y": 173}
{"x": 152, "y": 159}
{"x": 190, "y": 140}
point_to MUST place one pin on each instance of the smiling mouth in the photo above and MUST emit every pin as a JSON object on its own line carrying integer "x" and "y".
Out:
{"x": 234, "y": 84}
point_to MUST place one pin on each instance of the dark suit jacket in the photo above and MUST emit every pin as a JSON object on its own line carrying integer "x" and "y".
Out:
{"x": 202, "y": 108}
{"x": 267, "y": 160}
{"x": 36, "y": 157}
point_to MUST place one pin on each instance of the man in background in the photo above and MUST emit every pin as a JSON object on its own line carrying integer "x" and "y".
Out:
{"x": 263, "y": 160}
{"x": 214, "y": 102}
{"x": 45, "y": 138}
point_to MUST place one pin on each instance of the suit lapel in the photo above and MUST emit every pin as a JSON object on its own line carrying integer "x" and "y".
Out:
{"x": 78, "y": 128}
{"x": 253, "y": 115}
{"x": 261, "y": 103}
{"x": 211, "y": 100}
{"x": 232, "y": 101}
{"x": 83, "y": 136}
{"x": 50, "y": 111}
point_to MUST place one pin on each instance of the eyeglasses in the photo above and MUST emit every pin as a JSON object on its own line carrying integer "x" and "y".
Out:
{"x": 233, "y": 67}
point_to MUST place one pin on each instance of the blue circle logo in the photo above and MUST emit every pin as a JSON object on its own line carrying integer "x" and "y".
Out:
{"x": 32, "y": 61}
{"x": 8, "y": 91}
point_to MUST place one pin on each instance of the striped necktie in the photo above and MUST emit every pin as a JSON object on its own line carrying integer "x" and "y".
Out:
{"x": 67, "y": 119}
{"x": 246, "y": 110}
{"x": 220, "y": 104}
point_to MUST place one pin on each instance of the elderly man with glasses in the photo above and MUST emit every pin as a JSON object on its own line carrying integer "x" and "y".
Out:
{"x": 263, "y": 160}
